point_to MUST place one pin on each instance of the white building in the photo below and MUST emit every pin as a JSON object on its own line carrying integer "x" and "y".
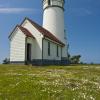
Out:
{"x": 32, "y": 43}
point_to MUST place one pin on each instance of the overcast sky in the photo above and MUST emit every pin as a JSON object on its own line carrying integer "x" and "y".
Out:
{"x": 82, "y": 22}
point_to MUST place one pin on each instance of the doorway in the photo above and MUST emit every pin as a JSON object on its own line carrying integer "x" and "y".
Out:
{"x": 29, "y": 51}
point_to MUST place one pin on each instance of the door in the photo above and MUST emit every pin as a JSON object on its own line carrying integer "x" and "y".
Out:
{"x": 28, "y": 52}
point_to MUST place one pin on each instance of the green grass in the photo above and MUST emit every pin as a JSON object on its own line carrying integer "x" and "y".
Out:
{"x": 81, "y": 82}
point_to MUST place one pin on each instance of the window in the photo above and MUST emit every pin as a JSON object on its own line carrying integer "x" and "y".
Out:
{"x": 48, "y": 2}
{"x": 48, "y": 48}
{"x": 57, "y": 51}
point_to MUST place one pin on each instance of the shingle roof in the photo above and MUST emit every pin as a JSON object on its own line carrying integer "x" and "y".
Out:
{"x": 25, "y": 31}
{"x": 45, "y": 32}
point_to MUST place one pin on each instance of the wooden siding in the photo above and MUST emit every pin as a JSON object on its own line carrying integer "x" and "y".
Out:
{"x": 17, "y": 46}
{"x": 53, "y": 51}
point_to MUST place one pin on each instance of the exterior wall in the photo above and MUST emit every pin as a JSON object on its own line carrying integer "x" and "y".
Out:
{"x": 56, "y": 24}
{"x": 38, "y": 39}
{"x": 33, "y": 48}
{"x": 53, "y": 51}
{"x": 17, "y": 47}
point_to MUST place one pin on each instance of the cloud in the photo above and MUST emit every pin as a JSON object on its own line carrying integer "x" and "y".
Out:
{"x": 1, "y": 5}
{"x": 16, "y": 10}
{"x": 79, "y": 12}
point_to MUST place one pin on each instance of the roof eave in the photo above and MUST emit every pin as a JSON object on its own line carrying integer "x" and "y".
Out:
{"x": 61, "y": 44}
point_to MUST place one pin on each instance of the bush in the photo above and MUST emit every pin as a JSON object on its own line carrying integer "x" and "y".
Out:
{"x": 6, "y": 61}
{"x": 75, "y": 59}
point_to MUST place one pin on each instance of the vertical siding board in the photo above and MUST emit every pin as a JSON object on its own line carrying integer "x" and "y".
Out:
{"x": 17, "y": 47}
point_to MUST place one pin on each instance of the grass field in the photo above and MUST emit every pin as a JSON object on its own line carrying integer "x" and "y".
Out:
{"x": 81, "y": 82}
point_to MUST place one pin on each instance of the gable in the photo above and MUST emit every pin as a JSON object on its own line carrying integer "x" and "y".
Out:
{"x": 43, "y": 31}
{"x": 26, "y": 24}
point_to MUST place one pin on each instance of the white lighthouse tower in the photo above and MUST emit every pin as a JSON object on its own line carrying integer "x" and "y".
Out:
{"x": 53, "y": 20}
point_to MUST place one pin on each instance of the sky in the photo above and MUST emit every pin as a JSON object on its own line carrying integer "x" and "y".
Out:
{"x": 82, "y": 23}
